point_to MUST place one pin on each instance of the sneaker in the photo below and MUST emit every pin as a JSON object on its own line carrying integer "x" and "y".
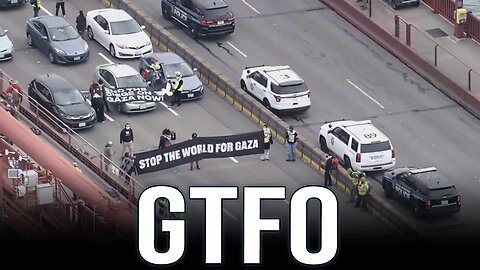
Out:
{"x": 198, "y": 167}
{"x": 191, "y": 168}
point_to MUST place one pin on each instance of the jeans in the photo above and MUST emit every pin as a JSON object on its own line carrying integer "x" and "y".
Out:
{"x": 35, "y": 11}
{"x": 291, "y": 150}
{"x": 58, "y": 6}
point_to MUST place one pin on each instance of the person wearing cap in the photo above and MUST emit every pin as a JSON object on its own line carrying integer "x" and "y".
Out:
{"x": 194, "y": 136}
{"x": 177, "y": 89}
{"x": 267, "y": 141}
{"x": 328, "y": 170}
{"x": 97, "y": 105}
{"x": 16, "y": 90}
{"x": 108, "y": 154}
{"x": 165, "y": 139}
{"x": 126, "y": 139}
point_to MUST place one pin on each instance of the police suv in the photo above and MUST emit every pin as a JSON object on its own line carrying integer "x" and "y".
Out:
{"x": 278, "y": 87}
{"x": 359, "y": 144}
{"x": 201, "y": 17}
{"x": 425, "y": 190}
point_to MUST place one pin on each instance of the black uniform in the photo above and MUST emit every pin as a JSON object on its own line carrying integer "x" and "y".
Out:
{"x": 328, "y": 171}
{"x": 97, "y": 104}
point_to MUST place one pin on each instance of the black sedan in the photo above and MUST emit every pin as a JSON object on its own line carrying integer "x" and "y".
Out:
{"x": 11, "y": 3}
{"x": 58, "y": 39}
{"x": 62, "y": 99}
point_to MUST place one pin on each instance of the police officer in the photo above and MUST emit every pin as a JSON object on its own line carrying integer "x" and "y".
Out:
{"x": 291, "y": 143}
{"x": 328, "y": 170}
{"x": 354, "y": 177}
{"x": 97, "y": 104}
{"x": 177, "y": 89}
{"x": 362, "y": 190}
{"x": 36, "y": 4}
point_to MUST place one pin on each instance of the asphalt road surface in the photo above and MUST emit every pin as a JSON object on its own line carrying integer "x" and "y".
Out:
{"x": 209, "y": 116}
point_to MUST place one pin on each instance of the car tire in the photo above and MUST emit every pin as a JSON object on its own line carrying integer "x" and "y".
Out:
{"x": 166, "y": 12}
{"x": 112, "y": 50}
{"x": 347, "y": 162}
{"x": 90, "y": 33}
{"x": 51, "y": 57}
{"x": 266, "y": 104}
{"x": 416, "y": 212}
{"x": 29, "y": 40}
{"x": 323, "y": 144}
{"x": 192, "y": 29}
{"x": 395, "y": 5}
{"x": 243, "y": 85}
{"x": 388, "y": 190}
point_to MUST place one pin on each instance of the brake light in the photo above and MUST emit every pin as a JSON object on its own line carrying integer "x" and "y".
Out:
{"x": 358, "y": 158}
{"x": 426, "y": 202}
{"x": 308, "y": 94}
{"x": 393, "y": 153}
{"x": 205, "y": 22}
{"x": 277, "y": 98}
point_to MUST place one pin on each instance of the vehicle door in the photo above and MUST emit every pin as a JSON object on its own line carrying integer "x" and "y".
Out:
{"x": 40, "y": 37}
{"x": 44, "y": 96}
{"x": 179, "y": 14}
{"x": 257, "y": 84}
{"x": 107, "y": 78}
{"x": 337, "y": 141}
{"x": 402, "y": 187}
{"x": 101, "y": 30}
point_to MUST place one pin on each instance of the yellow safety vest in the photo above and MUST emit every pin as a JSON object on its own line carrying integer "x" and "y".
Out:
{"x": 362, "y": 189}
{"x": 177, "y": 82}
{"x": 39, "y": 3}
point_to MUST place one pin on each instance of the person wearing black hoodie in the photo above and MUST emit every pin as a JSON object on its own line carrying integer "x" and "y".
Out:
{"x": 126, "y": 139}
{"x": 165, "y": 139}
{"x": 81, "y": 23}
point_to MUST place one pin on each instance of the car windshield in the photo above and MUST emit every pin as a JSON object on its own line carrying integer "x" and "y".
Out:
{"x": 70, "y": 97}
{"x": 125, "y": 27}
{"x": 289, "y": 89}
{"x": 184, "y": 69}
{"x": 375, "y": 147}
{"x": 131, "y": 81}
{"x": 2, "y": 33}
{"x": 63, "y": 33}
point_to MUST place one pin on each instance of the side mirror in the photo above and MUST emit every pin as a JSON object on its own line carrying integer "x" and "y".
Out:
{"x": 142, "y": 27}
{"x": 329, "y": 131}
{"x": 195, "y": 69}
{"x": 5, "y": 31}
{"x": 44, "y": 37}
{"x": 106, "y": 32}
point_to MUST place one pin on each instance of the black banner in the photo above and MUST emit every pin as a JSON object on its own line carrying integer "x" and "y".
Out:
{"x": 120, "y": 95}
{"x": 199, "y": 148}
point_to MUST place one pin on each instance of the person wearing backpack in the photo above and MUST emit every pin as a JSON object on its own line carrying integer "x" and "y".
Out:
{"x": 36, "y": 4}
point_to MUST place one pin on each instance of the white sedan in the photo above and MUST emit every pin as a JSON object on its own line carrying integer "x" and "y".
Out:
{"x": 118, "y": 32}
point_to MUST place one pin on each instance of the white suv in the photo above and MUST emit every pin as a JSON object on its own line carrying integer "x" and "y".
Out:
{"x": 278, "y": 87}
{"x": 359, "y": 144}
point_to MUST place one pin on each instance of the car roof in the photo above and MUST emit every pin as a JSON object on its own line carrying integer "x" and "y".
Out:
{"x": 363, "y": 131}
{"x": 167, "y": 58}
{"x": 282, "y": 75}
{"x": 52, "y": 21}
{"x": 113, "y": 15}
{"x": 429, "y": 178}
{"x": 119, "y": 70}
{"x": 55, "y": 82}
{"x": 210, "y": 4}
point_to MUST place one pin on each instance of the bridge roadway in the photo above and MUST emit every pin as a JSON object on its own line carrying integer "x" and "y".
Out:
{"x": 208, "y": 117}
{"x": 351, "y": 77}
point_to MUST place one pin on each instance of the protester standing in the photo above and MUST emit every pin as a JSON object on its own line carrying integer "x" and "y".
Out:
{"x": 126, "y": 139}
{"x": 328, "y": 170}
{"x": 108, "y": 155}
{"x": 165, "y": 139}
{"x": 267, "y": 141}
{"x": 58, "y": 5}
{"x": 128, "y": 166}
{"x": 81, "y": 22}
{"x": 291, "y": 143}
{"x": 194, "y": 137}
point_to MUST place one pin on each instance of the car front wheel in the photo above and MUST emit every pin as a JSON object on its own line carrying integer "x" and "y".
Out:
{"x": 243, "y": 85}
{"x": 112, "y": 50}
{"x": 266, "y": 104}
{"x": 323, "y": 144}
{"x": 90, "y": 33}
{"x": 29, "y": 39}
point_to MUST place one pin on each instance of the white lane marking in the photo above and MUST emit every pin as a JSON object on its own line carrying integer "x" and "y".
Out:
{"x": 452, "y": 39}
{"x": 106, "y": 58}
{"x": 231, "y": 215}
{"x": 46, "y": 11}
{"x": 106, "y": 115}
{"x": 250, "y": 6}
{"x": 234, "y": 159}
{"x": 367, "y": 95}
{"x": 168, "y": 108}
{"x": 244, "y": 55}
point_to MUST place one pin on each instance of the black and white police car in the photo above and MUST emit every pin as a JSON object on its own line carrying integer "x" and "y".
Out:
{"x": 201, "y": 17}
{"x": 424, "y": 190}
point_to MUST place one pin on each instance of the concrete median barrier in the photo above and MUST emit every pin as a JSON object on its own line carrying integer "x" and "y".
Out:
{"x": 244, "y": 103}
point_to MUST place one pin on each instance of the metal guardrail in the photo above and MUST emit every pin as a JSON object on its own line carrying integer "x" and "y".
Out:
{"x": 251, "y": 108}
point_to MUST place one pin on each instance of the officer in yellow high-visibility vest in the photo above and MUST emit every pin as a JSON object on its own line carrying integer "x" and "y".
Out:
{"x": 177, "y": 89}
{"x": 36, "y": 4}
{"x": 362, "y": 189}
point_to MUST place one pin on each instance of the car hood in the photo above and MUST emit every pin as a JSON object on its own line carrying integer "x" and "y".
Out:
{"x": 71, "y": 47}
{"x": 131, "y": 40}
{"x": 5, "y": 43}
{"x": 76, "y": 109}
{"x": 191, "y": 82}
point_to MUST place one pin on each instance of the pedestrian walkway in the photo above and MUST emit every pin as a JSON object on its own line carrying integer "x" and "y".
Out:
{"x": 432, "y": 37}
